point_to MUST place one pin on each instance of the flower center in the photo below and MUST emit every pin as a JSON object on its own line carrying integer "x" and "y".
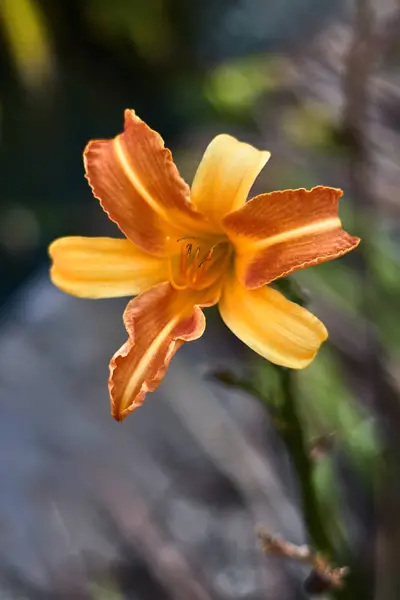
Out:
{"x": 196, "y": 263}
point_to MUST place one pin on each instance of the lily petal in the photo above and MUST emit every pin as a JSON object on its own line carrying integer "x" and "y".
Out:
{"x": 103, "y": 267}
{"x": 278, "y": 233}
{"x": 139, "y": 186}
{"x": 281, "y": 331}
{"x": 158, "y": 322}
{"x": 224, "y": 177}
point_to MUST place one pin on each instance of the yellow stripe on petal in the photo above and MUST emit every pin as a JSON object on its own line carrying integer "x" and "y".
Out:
{"x": 278, "y": 233}
{"x": 139, "y": 186}
{"x": 224, "y": 177}
{"x": 133, "y": 177}
{"x": 322, "y": 226}
{"x": 138, "y": 374}
{"x": 277, "y": 329}
{"x": 103, "y": 267}
{"x": 158, "y": 322}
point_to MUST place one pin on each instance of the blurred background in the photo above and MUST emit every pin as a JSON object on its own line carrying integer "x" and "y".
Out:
{"x": 164, "y": 507}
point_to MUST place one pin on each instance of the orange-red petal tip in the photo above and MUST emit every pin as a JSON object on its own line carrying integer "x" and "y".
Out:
{"x": 158, "y": 322}
{"x": 281, "y": 232}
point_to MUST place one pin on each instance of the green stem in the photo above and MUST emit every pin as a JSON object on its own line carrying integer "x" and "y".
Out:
{"x": 294, "y": 439}
{"x": 298, "y": 450}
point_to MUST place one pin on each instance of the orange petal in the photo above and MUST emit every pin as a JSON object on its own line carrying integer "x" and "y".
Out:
{"x": 281, "y": 331}
{"x": 224, "y": 177}
{"x": 158, "y": 322}
{"x": 103, "y": 267}
{"x": 278, "y": 233}
{"x": 139, "y": 186}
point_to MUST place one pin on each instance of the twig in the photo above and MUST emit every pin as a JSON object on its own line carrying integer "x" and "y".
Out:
{"x": 330, "y": 577}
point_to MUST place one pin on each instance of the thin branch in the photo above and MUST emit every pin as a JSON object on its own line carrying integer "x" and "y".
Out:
{"x": 322, "y": 575}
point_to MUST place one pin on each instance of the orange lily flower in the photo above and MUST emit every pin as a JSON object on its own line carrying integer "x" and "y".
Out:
{"x": 190, "y": 248}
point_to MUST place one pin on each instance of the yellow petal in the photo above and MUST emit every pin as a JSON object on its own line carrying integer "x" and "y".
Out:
{"x": 278, "y": 233}
{"x": 224, "y": 177}
{"x": 281, "y": 331}
{"x": 103, "y": 267}
{"x": 158, "y": 322}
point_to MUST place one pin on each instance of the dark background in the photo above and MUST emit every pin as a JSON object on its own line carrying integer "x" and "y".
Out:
{"x": 164, "y": 506}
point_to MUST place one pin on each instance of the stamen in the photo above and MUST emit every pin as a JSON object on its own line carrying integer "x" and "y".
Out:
{"x": 208, "y": 257}
{"x": 184, "y": 258}
{"x": 192, "y": 271}
{"x": 182, "y": 261}
{"x": 193, "y": 264}
{"x": 201, "y": 270}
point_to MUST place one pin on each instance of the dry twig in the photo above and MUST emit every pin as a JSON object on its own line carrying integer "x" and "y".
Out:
{"x": 323, "y": 572}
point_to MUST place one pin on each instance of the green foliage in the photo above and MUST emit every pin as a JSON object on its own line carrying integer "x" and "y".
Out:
{"x": 327, "y": 405}
{"x": 308, "y": 125}
{"x": 144, "y": 24}
{"x": 29, "y": 40}
{"x": 105, "y": 590}
{"x": 234, "y": 86}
